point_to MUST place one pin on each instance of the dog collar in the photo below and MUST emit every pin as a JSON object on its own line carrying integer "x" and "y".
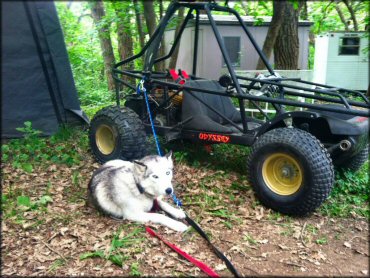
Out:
{"x": 140, "y": 188}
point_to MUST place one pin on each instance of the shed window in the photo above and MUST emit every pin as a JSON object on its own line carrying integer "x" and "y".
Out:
{"x": 232, "y": 45}
{"x": 349, "y": 46}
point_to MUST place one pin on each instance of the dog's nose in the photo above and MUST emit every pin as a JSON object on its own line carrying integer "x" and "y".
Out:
{"x": 169, "y": 191}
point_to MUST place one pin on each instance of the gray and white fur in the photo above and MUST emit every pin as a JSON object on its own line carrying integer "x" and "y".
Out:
{"x": 127, "y": 190}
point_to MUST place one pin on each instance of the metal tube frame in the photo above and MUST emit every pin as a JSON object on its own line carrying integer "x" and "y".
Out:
{"x": 153, "y": 79}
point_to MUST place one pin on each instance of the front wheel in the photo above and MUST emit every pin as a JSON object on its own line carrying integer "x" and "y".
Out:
{"x": 290, "y": 171}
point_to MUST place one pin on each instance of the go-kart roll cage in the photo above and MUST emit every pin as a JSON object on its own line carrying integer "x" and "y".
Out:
{"x": 340, "y": 97}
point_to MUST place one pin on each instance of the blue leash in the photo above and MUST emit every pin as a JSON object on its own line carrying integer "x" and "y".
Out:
{"x": 141, "y": 89}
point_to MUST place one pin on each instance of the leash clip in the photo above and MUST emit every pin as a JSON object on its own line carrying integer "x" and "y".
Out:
{"x": 141, "y": 87}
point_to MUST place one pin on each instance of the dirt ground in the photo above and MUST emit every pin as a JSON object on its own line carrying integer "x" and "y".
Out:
{"x": 50, "y": 240}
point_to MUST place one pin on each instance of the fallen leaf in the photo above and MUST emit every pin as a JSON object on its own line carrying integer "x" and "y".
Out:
{"x": 263, "y": 241}
{"x": 347, "y": 244}
{"x": 283, "y": 247}
{"x": 297, "y": 232}
{"x": 220, "y": 267}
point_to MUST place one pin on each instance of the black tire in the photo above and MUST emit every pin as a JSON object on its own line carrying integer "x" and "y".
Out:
{"x": 356, "y": 162}
{"x": 117, "y": 133}
{"x": 290, "y": 171}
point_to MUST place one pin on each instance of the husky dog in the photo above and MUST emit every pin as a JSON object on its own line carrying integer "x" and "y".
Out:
{"x": 128, "y": 190}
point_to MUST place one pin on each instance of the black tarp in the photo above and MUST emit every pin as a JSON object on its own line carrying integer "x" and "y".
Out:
{"x": 37, "y": 80}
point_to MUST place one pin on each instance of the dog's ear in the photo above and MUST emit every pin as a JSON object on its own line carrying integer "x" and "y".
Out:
{"x": 140, "y": 166}
{"x": 168, "y": 155}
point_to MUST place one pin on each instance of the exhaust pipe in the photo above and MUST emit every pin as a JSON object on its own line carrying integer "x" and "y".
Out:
{"x": 345, "y": 145}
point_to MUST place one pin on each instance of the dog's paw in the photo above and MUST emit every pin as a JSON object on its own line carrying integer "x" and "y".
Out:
{"x": 179, "y": 214}
{"x": 180, "y": 227}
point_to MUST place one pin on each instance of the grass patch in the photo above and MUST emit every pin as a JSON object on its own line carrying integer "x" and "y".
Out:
{"x": 118, "y": 251}
{"x": 350, "y": 194}
{"x": 134, "y": 269}
{"x": 248, "y": 238}
{"x": 223, "y": 157}
{"x": 56, "y": 264}
{"x": 15, "y": 206}
{"x": 322, "y": 241}
{"x": 90, "y": 110}
{"x": 65, "y": 147}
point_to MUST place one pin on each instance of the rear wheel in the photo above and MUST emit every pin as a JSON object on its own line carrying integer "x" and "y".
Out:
{"x": 117, "y": 133}
{"x": 290, "y": 171}
{"x": 356, "y": 162}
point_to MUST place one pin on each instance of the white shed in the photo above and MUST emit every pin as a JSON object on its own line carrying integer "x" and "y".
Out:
{"x": 341, "y": 60}
{"x": 210, "y": 62}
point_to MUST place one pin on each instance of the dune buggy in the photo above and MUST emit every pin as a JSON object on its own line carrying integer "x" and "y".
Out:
{"x": 293, "y": 152}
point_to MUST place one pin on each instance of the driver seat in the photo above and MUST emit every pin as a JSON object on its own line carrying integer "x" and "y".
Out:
{"x": 203, "y": 118}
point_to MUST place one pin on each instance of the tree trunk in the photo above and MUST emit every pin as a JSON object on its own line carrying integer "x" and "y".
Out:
{"x": 161, "y": 11}
{"x": 244, "y": 6}
{"x": 139, "y": 24}
{"x": 352, "y": 13}
{"x": 273, "y": 31}
{"x": 69, "y": 4}
{"x": 149, "y": 15}
{"x": 125, "y": 42}
{"x": 175, "y": 54}
{"x": 162, "y": 49}
{"x": 304, "y": 13}
{"x": 98, "y": 13}
{"x": 341, "y": 16}
{"x": 286, "y": 49}
{"x": 150, "y": 19}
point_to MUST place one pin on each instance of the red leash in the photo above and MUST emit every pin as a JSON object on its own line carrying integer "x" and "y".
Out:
{"x": 205, "y": 268}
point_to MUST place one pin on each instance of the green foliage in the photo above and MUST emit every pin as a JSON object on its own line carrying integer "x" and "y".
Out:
{"x": 31, "y": 150}
{"x": 56, "y": 264}
{"x": 250, "y": 239}
{"x": 28, "y": 131}
{"x": 311, "y": 57}
{"x": 223, "y": 156}
{"x": 134, "y": 270}
{"x": 85, "y": 55}
{"x": 90, "y": 110}
{"x": 15, "y": 204}
{"x": 25, "y": 202}
{"x": 116, "y": 252}
{"x": 325, "y": 18}
{"x": 322, "y": 241}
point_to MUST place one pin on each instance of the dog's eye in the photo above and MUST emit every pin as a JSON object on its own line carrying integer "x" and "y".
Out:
{"x": 168, "y": 172}
{"x": 155, "y": 176}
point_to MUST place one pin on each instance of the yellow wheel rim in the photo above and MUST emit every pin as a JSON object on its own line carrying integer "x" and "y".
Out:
{"x": 105, "y": 139}
{"x": 282, "y": 174}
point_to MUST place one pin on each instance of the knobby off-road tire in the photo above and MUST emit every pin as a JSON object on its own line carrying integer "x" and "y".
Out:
{"x": 117, "y": 133}
{"x": 290, "y": 171}
{"x": 355, "y": 162}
